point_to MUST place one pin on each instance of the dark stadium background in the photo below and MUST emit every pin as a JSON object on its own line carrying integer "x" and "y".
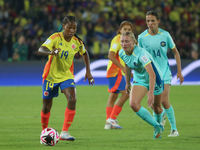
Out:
{"x": 98, "y": 22}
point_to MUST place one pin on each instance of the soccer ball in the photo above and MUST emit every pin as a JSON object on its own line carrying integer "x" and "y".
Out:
{"x": 49, "y": 137}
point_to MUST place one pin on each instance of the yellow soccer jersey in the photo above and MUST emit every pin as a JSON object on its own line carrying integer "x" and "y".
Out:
{"x": 112, "y": 69}
{"x": 57, "y": 68}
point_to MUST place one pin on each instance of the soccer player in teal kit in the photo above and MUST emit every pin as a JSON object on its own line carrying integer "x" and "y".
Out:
{"x": 157, "y": 41}
{"x": 147, "y": 77}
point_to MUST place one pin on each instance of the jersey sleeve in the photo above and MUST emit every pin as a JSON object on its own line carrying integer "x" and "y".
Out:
{"x": 115, "y": 44}
{"x": 170, "y": 41}
{"x": 139, "y": 41}
{"x": 144, "y": 58}
{"x": 82, "y": 49}
{"x": 50, "y": 42}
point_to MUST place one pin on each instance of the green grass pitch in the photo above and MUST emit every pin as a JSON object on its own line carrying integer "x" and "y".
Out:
{"x": 20, "y": 125}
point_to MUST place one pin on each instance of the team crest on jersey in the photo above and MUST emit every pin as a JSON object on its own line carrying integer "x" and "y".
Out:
{"x": 163, "y": 43}
{"x": 73, "y": 46}
{"x": 46, "y": 93}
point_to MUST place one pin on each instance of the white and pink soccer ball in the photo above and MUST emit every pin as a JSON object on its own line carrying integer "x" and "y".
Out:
{"x": 49, "y": 137}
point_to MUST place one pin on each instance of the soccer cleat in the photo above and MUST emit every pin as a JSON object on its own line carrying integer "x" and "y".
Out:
{"x": 174, "y": 133}
{"x": 113, "y": 123}
{"x": 163, "y": 118}
{"x": 158, "y": 129}
{"x": 108, "y": 126}
{"x": 64, "y": 135}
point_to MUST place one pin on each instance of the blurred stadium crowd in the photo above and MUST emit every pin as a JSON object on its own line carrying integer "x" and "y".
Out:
{"x": 26, "y": 24}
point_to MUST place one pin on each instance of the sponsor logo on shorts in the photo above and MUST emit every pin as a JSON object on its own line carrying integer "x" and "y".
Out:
{"x": 46, "y": 93}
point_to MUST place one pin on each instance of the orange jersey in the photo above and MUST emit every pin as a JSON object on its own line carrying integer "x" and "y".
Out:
{"x": 112, "y": 69}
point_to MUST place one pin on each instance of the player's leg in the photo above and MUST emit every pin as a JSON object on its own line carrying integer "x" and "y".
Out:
{"x": 68, "y": 88}
{"x": 158, "y": 112}
{"x": 109, "y": 108}
{"x": 117, "y": 109}
{"x": 169, "y": 111}
{"x": 137, "y": 94}
{"x": 110, "y": 104}
{"x": 119, "y": 104}
{"x": 70, "y": 112}
{"x": 119, "y": 87}
{"x": 112, "y": 88}
{"x": 49, "y": 91}
{"x": 45, "y": 112}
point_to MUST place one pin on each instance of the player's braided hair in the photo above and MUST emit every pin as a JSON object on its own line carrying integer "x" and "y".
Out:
{"x": 68, "y": 19}
{"x": 154, "y": 13}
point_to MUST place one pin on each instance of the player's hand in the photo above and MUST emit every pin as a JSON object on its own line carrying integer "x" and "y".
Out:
{"x": 180, "y": 76}
{"x": 150, "y": 100}
{"x": 55, "y": 51}
{"x": 90, "y": 78}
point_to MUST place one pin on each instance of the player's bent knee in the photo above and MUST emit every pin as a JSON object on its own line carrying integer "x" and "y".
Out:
{"x": 157, "y": 109}
{"x": 45, "y": 109}
{"x": 134, "y": 106}
{"x": 72, "y": 101}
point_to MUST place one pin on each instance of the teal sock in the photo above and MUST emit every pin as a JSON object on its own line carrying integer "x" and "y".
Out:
{"x": 146, "y": 116}
{"x": 171, "y": 117}
{"x": 158, "y": 117}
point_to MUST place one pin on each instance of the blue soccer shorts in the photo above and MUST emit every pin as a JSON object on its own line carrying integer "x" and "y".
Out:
{"x": 116, "y": 84}
{"x": 50, "y": 90}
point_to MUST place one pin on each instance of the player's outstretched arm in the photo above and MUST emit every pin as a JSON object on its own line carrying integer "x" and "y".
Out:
{"x": 178, "y": 62}
{"x": 45, "y": 51}
{"x": 128, "y": 79}
{"x": 88, "y": 74}
{"x": 152, "y": 80}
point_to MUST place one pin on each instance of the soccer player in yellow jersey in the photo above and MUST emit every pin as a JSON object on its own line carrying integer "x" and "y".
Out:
{"x": 61, "y": 48}
{"x": 116, "y": 77}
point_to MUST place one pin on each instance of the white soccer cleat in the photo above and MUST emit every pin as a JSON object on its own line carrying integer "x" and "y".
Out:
{"x": 107, "y": 126}
{"x": 64, "y": 135}
{"x": 163, "y": 118}
{"x": 174, "y": 133}
{"x": 113, "y": 123}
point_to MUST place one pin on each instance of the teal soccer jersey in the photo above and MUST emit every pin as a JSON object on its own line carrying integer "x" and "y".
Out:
{"x": 137, "y": 61}
{"x": 158, "y": 46}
